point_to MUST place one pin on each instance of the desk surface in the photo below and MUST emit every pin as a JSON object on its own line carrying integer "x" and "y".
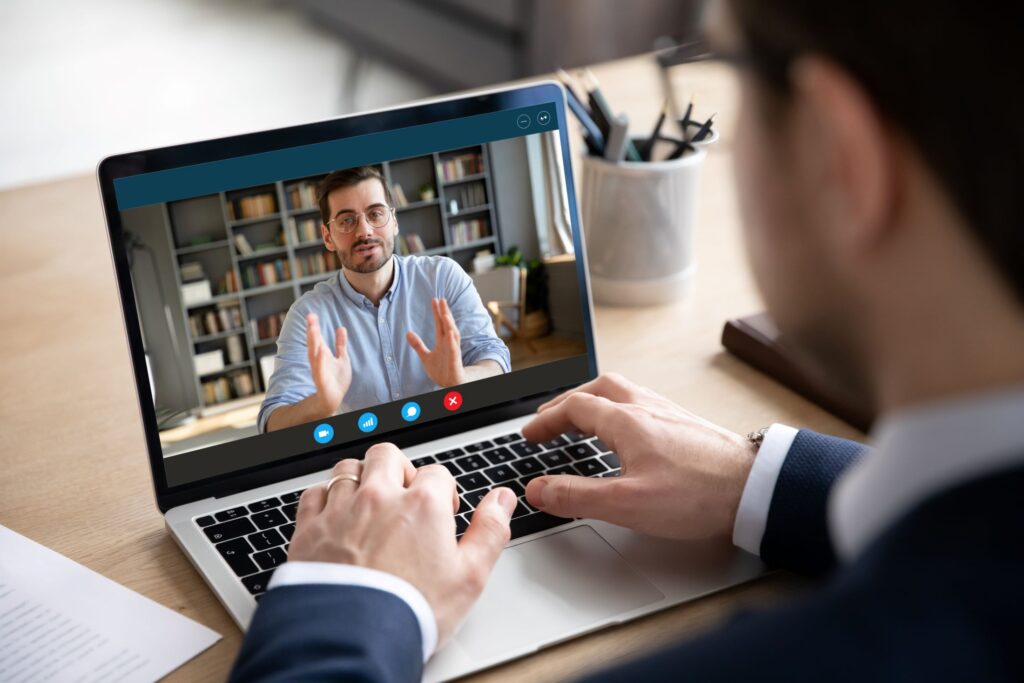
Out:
{"x": 75, "y": 476}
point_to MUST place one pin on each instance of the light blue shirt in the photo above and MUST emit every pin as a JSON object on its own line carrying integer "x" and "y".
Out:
{"x": 384, "y": 367}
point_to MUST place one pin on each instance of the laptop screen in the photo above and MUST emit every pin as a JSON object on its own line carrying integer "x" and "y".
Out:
{"x": 293, "y": 300}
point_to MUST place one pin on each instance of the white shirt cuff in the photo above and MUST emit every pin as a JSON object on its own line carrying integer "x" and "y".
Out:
{"x": 752, "y": 515}
{"x": 299, "y": 573}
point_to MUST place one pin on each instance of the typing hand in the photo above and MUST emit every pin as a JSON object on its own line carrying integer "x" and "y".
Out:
{"x": 444, "y": 363}
{"x": 682, "y": 477}
{"x": 400, "y": 520}
{"x": 332, "y": 372}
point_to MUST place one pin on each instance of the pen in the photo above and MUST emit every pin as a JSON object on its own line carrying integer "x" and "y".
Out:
{"x": 648, "y": 146}
{"x": 704, "y": 130}
{"x": 603, "y": 114}
{"x": 685, "y": 121}
{"x": 593, "y": 137}
{"x": 615, "y": 150}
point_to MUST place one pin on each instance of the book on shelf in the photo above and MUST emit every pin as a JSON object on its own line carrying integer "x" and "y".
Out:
{"x": 225, "y": 317}
{"x": 467, "y": 196}
{"x": 267, "y": 327}
{"x": 252, "y": 206}
{"x": 235, "y": 385}
{"x": 302, "y": 230}
{"x": 462, "y": 165}
{"x": 316, "y": 263}
{"x": 243, "y": 246}
{"x": 265, "y": 273}
{"x": 399, "y": 195}
{"x": 413, "y": 244}
{"x": 469, "y": 230}
{"x": 236, "y": 354}
{"x": 192, "y": 271}
{"x": 301, "y": 195}
{"x": 229, "y": 284}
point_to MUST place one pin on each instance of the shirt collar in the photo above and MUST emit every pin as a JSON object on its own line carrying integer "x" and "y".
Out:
{"x": 922, "y": 452}
{"x": 360, "y": 300}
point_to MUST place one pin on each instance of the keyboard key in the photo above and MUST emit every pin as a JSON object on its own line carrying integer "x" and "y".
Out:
{"x": 530, "y": 477}
{"x": 290, "y": 511}
{"x": 501, "y": 473}
{"x": 528, "y": 466}
{"x": 524, "y": 448}
{"x": 612, "y": 460}
{"x": 206, "y": 521}
{"x": 473, "y": 498}
{"x": 471, "y": 463}
{"x": 425, "y": 460}
{"x": 612, "y": 473}
{"x": 233, "y": 513}
{"x": 463, "y": 506}
{"x": 480, "y": 446}
{"x": 449, "y": 454}
{"x": 578, "y": 451}
{"x": 265, "y": 520}
{"x": 453, "y": 468}
{"x": 555, "y": 458}
{"x": 508, "y": 438}
{"x": 460, "y": 525}
{"x": 266, "y": 539}
{"x": 517, "y": 488}
{"x": 591, "y": 468}
{"x": 268, "y": 559}
{"x": 287, "y": 530}
{"x": 225, "y": 531}
{"x": 236, "y": 553}
{"x": 601, "y": 446}
{"x": 564, "y": 469}
{"x": 531, "y": 524}
{"x": 499, "y": 455}
{"x": 573, "y": 437}
{"x": 520, "y": 510}
{"x": 526, "y": 504}
{"x": 292, "y": 497}
{"x": 262, "y": 505}
{"x": 556, "y": 442}
{"x": 258, "y": 582}
{"x": 472, "y": 481}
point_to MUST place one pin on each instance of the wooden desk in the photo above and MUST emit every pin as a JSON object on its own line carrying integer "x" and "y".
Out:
{"x": 75, "y": 476}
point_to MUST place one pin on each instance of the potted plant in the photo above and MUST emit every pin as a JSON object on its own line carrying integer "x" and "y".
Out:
{"x": 426, "y": 192}
{"x": 535, "y": 322}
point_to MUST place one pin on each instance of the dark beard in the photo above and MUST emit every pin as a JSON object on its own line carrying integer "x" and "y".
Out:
{"x": 358, "y": 264}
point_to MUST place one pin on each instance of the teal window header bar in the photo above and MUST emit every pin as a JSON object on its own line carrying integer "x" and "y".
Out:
{"x": 323, "y": 157}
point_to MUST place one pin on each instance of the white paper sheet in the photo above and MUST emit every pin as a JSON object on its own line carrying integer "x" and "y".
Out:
{"x": 60, "y": 621}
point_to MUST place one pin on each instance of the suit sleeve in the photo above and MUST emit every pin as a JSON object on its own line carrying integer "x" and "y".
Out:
{"x": 330, "y": 633}
{"x": 796, "y": 531}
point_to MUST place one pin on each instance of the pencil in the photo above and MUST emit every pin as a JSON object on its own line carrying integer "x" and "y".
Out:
{"x": 685, "y": 121}
{"x": 600, "y": 110}
{"x": 647, "y": 147}
{"x": 704, "y": 130}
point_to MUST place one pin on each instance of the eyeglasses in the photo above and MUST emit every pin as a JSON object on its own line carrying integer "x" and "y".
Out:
{"x": 376, "y": 217}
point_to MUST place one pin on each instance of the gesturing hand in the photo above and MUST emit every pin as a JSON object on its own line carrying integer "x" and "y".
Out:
{"x": 332, "y": 372}
{"x": 682, "y": 477}
{"x": 444, "y": 363}
{"x": 400, "y": 520}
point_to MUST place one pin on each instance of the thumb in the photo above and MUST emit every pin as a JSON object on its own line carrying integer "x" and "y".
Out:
{"x": 567, "y": 495}
{"x": 417, "y": 345}
{"x": 341, "y": 342}
{"x": 488, "y": 532}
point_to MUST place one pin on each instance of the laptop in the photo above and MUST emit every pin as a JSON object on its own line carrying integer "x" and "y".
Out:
{"x": 213, "y": 244}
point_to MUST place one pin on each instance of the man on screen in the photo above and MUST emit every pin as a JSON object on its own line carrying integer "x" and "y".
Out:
{"x": 385, "y": 327}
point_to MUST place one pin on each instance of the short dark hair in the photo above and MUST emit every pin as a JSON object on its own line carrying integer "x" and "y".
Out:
{"x": 941, "y": 72}
{"x": 347, "y": 178}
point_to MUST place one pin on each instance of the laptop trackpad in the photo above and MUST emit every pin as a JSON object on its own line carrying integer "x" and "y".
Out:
{"x": 551, "y": 588}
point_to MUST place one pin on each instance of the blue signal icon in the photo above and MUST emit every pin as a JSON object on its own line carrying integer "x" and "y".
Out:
{"x": 367, "y": 422}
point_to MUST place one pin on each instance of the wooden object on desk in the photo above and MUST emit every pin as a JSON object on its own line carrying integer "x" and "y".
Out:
{"x": 75, "y": 471}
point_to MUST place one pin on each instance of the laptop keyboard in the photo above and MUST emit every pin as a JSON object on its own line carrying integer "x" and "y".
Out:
{"x": 253, "y": 539}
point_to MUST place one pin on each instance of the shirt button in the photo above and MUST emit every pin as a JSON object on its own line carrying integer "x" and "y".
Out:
{"x": 389, "y": 359}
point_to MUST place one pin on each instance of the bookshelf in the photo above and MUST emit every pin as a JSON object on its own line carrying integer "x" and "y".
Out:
{"x": 259, "y": 248}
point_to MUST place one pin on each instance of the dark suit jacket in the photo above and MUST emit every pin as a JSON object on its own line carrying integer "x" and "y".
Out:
{"x": 938, "y": 596}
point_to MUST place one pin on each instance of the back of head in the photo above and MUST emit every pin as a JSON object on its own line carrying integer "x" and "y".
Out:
{"x": 945, "y": 74}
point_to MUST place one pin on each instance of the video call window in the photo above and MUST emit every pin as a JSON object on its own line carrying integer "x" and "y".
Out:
{"x": 224, "y": 284}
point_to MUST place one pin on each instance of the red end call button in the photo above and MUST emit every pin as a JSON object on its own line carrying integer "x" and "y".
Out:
{"x": 452, "y": 400}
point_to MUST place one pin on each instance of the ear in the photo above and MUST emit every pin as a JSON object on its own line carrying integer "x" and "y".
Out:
{"x": 852, "y": 149}
{"x": 325, "y": 233}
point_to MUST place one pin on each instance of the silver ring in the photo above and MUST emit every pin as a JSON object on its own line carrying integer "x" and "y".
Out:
{"x": 341, "y": 477}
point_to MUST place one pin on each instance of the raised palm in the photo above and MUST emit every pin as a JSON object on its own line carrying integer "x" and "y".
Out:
{"x": 332, "y": 371}
{"x": 443, "y": 364}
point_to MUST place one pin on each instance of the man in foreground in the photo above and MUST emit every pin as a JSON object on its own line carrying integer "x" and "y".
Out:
{"x": 887, "y": 245}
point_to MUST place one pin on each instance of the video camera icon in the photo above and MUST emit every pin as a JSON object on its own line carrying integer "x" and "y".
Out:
{"x": 323, "y": 433}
